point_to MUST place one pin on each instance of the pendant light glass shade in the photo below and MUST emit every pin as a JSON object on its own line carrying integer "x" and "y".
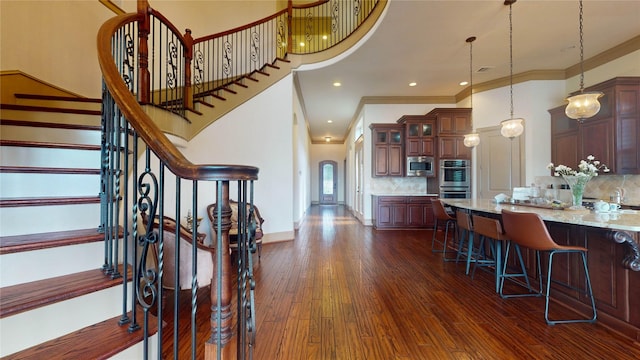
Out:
{"x": 473, "y": 139}
{"x": 583, "y": 106}
{"x": 512, "y": 128}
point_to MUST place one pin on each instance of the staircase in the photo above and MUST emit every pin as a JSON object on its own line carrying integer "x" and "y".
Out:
{"x": 56, "y": 301}
{"x": 212, "y": 105}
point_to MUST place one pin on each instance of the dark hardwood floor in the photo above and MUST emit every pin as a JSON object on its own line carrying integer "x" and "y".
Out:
{"x": 345, "y": 291}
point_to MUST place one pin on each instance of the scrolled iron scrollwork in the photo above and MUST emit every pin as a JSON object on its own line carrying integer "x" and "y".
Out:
{"x": 147, "y": 292}
{"x": 198, "y": 65}
{"x": 335, "y": 16}
{"x": 356, "y": 7}
{"x": 280, "y": 34}
{"x": 632, "y": 260}
{"x": 172, "y": 67}
{"x": 308, "y": 27}
{"x": 128, "y": 64}
{"x": 255, "y": 46}
{"x": 227, "y": 58}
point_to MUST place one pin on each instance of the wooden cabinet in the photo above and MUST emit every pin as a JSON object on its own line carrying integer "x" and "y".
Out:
{"x": 388, "y": 150}
{"x": 419, "y": 135}
{"x": 452, "y": 121}
{"x": 403, "y": 212}
{"x": 634, "y": 298}
{"x": 612, "y": 135}
{"x": 452, "y": 124}
{"x": 452, "y": 147}
{"x": 391, "y": 212}
{"x": 564, "y": 138}
{"x": 420, "y": 212}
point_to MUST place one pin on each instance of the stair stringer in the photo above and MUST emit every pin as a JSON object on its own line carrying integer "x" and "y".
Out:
{"x": 206, "y": 115}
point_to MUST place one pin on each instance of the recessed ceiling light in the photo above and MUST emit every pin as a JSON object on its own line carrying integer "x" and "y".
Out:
{"x": 463, "y": 83}
{"x": 302, "y": 44}
{"x": 330, "y": 121}
{"x": 324, "y": 37}
{"x": 413, "y": 84}
{"x": 336, "y": 84}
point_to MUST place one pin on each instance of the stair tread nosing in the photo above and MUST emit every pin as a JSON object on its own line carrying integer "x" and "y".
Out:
{"x": 102, "y": 340}
{"x": 48, "y": 170}
{"x": 52, "y": 125}
{"x": 24, "y": 297}
{"x": 46, "y": 201}
{"x": 58, "y": 98}
{"x": 49, "y": 145}
{"x": 50, "y": 109}
{"x": 18, "y": 243}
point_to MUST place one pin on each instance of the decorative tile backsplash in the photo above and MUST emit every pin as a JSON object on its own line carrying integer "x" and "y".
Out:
{"x": 601, "y": 187}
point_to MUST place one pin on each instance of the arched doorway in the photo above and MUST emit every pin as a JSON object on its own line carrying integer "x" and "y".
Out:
{"x": 328, "y": 182}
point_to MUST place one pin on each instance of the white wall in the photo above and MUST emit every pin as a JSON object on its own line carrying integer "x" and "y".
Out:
{"x": 301, "y": 163}
{"x": 54, "y": 41}
{"x": 208, "y": 17}
{"x": 628, "y": 65}
{"x": 531, "y": 100}
{"x": 258, "y": 133}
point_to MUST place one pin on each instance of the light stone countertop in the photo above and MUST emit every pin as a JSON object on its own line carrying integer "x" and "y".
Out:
{"x": 625, "y": 220}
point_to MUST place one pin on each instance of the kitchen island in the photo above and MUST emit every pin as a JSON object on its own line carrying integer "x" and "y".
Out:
{"x": 613, "y": 241}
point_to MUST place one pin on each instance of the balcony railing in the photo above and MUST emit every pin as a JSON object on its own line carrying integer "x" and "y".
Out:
{"x": 321, "y": 25}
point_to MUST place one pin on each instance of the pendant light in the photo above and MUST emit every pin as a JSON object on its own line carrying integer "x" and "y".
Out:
{"x": 511, "y": 127}
{"x": 584, "y": 104}
{"x": 473, "y": 139}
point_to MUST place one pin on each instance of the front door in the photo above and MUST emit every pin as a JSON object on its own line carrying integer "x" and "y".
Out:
{"x": 328, "y": 182}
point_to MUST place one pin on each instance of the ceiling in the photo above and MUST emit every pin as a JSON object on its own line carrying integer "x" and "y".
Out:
{"x": 423, "y": 41}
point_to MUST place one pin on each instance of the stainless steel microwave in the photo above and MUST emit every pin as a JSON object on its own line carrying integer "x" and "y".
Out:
{"x": 420, "y": 166}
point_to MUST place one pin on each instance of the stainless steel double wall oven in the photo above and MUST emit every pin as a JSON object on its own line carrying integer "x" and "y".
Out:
{"x": 455, "y": 178}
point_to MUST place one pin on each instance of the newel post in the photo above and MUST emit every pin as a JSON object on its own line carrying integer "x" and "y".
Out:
{"x": 144, "y": 87}
{"x": 188, "y": 57}
{"x": 220, "y": 340}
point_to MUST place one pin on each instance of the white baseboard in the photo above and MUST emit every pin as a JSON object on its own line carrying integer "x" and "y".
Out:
{"x": 278, "y": 237}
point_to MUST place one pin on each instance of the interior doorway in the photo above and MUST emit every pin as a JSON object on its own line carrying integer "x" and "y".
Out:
{"x": 359, "y": 178}
{"x": 500, "y": 165}
{"x": 328, "y": 182}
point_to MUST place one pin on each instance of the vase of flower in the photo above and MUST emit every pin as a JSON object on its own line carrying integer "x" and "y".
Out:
{"x": 577, "y": 183}
{"x": 578, "y": 179}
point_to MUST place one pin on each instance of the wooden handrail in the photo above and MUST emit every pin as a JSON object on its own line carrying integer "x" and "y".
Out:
{"x": 240, "y": 28}
{"x": 169, "y": 24}
{"x": 144, "y": 125}
{"x": 310, "y": 5}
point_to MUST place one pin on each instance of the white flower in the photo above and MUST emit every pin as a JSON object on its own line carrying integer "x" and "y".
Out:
{"x": 589, "y": 167}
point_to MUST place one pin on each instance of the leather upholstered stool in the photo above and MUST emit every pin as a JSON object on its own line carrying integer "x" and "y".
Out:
{"x": 465, "y": 239}
{"x": 528, "y": 230}
{"x": 449, "y": 222}
{"x": 488, "y": 228}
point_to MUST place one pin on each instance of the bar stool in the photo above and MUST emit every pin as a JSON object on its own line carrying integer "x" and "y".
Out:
{"x": 528, "y": 230}
{"x": 489, "y": 228}
{"x": 441, "y": 218}
{"x": 465, "y": 232}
